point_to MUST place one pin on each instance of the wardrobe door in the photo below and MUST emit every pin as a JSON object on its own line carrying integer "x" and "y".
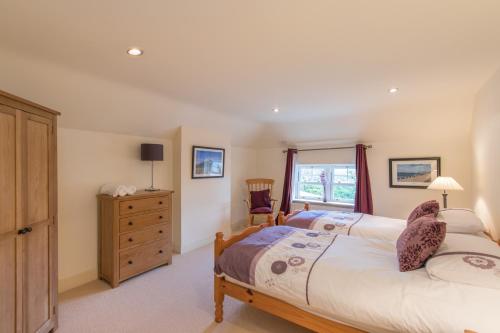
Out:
{"x": 39, "y": 286}
{"x": 9, "y": 283}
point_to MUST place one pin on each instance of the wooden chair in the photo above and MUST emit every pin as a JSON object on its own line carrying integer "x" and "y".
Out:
{"x": 259, "y": 184}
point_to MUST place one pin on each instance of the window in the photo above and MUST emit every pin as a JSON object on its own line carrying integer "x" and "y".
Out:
{"x": 335, "y": 183}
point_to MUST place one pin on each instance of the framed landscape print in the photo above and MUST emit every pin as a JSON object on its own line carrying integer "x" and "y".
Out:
{"x": 413, "y": 172}
{"x": 208, "y": 162}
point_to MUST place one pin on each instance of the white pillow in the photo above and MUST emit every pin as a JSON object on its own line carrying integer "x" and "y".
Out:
{"x": 460, "y": 220}
{"x": 467, "y": 259}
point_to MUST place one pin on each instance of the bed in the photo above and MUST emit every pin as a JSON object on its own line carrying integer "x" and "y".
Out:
{"x": 343, "y": 222}
{"x": 343, "y": 284}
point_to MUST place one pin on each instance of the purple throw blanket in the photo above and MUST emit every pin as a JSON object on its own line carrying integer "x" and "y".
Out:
{"x": 239, "y": 260}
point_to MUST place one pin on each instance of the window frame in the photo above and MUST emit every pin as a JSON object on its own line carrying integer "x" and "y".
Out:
{"x": 330, "y": 167}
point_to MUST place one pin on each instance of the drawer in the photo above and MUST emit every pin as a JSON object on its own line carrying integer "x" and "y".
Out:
{"x": 156, "y": 232}
{"x": 134, "y": 223}
{"x": 141, "y": 205}
{"x": 140, "y": 259}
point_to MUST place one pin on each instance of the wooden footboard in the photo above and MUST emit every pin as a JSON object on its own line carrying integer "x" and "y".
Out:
{"x": 282, "y": 218}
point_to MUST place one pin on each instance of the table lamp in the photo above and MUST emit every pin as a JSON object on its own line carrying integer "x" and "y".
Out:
{"x": 445, "y": 183}
{"x": 152, "y": 152}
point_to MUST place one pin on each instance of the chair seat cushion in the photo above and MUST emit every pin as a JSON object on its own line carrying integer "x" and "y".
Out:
{"x": 260, "y": 199}
{"x": 262, "y": 210}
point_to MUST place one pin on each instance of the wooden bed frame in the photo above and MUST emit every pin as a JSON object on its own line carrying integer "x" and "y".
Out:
{"x": 282, "y": 217}
{"x": 264, "y": 302}
{"x": 261, "y": 301}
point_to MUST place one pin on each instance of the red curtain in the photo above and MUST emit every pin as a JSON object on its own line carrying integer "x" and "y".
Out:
{"x": 286, "y": 199}
{"x": 363, "y": 201}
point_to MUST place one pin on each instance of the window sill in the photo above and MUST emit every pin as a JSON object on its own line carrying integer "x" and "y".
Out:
{"x": 321, "y": 203}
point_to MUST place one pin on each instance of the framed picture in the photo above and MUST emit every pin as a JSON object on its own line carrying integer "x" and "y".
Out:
{"x": 413, "y": 172}
{"x": 208, "y": 162}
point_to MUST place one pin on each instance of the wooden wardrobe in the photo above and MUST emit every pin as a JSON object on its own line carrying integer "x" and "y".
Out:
{"x": 28, "y": 216}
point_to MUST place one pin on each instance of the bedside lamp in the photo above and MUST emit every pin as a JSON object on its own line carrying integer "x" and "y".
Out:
{"x": 445, "y": 183}
{"x": 151, "y": 152}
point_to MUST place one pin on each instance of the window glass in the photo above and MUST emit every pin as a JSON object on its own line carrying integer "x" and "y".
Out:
{"x": 325, "y": 182}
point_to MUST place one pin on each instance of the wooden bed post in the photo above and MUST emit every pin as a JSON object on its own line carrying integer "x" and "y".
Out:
{"x": 218, "y": 293}
{"x": 270, "y": 220}
{"x": 281, "y": 218}
{"x": 306, "y": 206}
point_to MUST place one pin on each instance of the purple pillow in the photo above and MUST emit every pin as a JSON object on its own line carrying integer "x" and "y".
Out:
{"x": 260, "y": 199}
{"x": 419, "y": 241}
{"x": 430, "y": 207}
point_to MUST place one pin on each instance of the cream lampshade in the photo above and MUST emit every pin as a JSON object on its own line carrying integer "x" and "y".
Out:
{"x": 445, "y": 183}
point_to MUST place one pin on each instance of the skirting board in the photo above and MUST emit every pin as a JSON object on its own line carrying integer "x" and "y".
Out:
{"x": 74, "y": 281}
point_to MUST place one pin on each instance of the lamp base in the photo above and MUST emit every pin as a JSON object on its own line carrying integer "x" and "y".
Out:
{"x": 151, "y": 189}
{"x": 445, "y": 200}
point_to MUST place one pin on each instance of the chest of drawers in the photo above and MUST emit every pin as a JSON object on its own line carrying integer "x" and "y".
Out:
{"x": 135, "y": 234}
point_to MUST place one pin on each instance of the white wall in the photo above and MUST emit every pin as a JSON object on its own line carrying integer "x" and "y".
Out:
{"x": 486, "y": 140}
{"x": 86, "y": 160}
{"x": 455, "y": 162}
{"x": 243, "y": 166}
{"x": 205, "y": 204}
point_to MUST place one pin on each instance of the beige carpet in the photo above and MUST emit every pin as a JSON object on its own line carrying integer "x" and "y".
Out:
{"x": 175, "y": 298}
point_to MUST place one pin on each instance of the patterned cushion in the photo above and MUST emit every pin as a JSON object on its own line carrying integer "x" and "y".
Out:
{"x": 430, "y": 207}
{"x": 261, "y": 210}
{"x": 260, "y": 199}
{"x": 421, "y": 239}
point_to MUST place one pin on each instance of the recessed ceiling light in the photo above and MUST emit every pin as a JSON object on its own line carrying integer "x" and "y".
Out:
{"x": 134, "y": 52}
{"x": 276, "y": 110}
{"x": 393, "y": 90}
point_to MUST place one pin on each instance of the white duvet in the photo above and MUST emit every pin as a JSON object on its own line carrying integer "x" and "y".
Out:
{"x": 361, "y": 225}
{"x": 357, "y": 281}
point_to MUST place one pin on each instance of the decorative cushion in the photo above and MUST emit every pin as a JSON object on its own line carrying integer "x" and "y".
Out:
{"x": 461, "y": 220}
{"x": 260, "y": 198}
{"x": 262, "y": 210}
{"x": 430, "y": 207}
{"x": 419, "y": 241}
{"x": 466, "y": 259}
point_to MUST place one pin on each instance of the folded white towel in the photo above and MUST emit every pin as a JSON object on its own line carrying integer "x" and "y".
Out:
{"x": 118, "y": 190}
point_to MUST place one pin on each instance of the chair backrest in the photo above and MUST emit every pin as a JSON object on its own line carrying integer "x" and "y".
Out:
{"x": 260, "y": 184}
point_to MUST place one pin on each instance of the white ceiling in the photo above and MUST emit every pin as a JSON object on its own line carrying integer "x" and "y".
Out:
{"x": 315, "y": 59}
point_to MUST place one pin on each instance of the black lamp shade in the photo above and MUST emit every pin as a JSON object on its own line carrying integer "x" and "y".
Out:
{"x": 151, "y": 152}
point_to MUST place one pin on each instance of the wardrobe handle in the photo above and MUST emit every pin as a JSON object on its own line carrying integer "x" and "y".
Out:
{"x": 130, "y": 240}
{"x": 130, "y": 262}
{"x": 130, "y": 207}
{"x": 161, "y": 251}
{"x": 130, "y": 223}
{"x": 24, "y": 230}
{"x": 160, "y": 231}
{"x": 160, "y": 217}
{"x": 161, "y": 202}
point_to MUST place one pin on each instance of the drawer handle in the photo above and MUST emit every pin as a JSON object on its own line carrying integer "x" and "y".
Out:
{"x": 130, "y": 223}
{"x": 130, "y": 240}
{"x": 130, "y": 262}
{"x": 161, "y": 251}
{"x": 160, "y": 231}
{"x": 130, "y": 207}
{"x": 160, "y": 217}
{"x": 161, "y": 202}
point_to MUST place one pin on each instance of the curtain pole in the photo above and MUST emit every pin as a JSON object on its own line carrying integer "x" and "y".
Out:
{"x": 331, "y": 148}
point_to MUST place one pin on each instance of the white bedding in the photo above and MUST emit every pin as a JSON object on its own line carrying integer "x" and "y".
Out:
{"x": 361, "y": 225}
{"x": 357, "y": 281}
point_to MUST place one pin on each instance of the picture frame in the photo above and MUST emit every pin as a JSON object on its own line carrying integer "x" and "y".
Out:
{"x": 416, "y": 173}
{"x": 208, "y": 162}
